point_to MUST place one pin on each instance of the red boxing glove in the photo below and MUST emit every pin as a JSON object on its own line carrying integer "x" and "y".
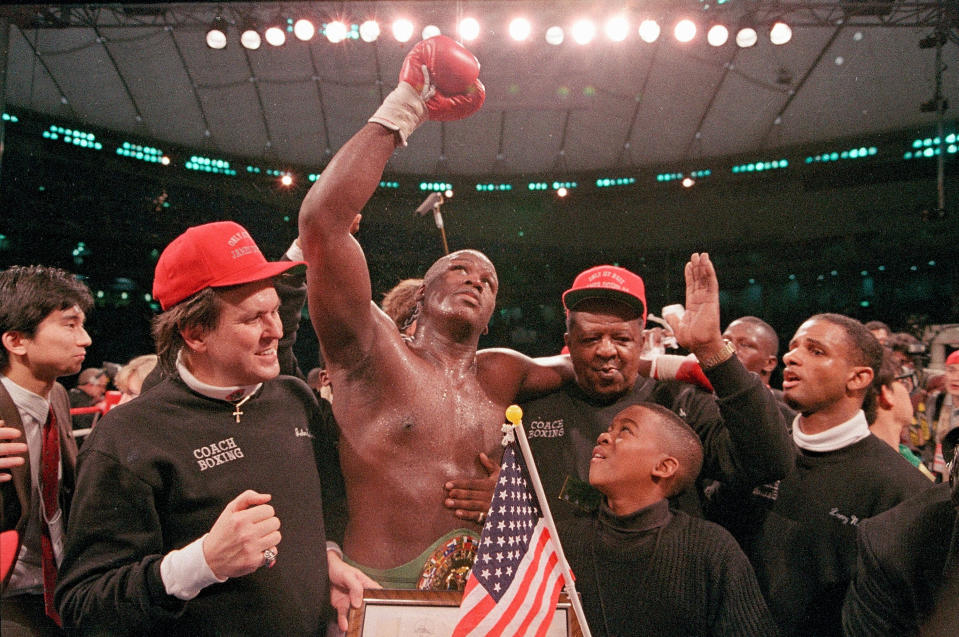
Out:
{"x": 439, "y": 80}
{"x": 451, "y": 74}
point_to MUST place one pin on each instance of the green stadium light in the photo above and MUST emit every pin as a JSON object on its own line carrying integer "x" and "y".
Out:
{"x": 209, "y": 165}
{"x": 148, "y": 154}
{"x": 393, "y": 185}
{"x": 669, "y": 176}
{"x": 861, "y": 152}
{"x": 75, "y": 137}
{"x": 760, "y": 166}
{"x": 435, "y": 186}
{"x": 617, "y": 181}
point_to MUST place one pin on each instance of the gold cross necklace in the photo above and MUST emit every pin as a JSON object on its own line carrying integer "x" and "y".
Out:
{"x": 237, "y": 412}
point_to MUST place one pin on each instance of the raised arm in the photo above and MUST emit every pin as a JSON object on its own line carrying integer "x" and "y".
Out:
{"x": 746, "y": 440}
{"x": 439, "y": 81}
{"x": 338, "y": 280}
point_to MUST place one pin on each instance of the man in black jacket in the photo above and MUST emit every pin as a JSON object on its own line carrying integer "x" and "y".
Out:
{"x": 741, "y": 428}
{"x": 800, "y": 532}
{"x": 907, "y": 582}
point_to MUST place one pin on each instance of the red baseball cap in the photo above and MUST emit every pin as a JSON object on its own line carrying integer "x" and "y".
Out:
{"x": 953, "y": 359}
{"x": 211, "y": 255}
{"x": 607, "y": 282}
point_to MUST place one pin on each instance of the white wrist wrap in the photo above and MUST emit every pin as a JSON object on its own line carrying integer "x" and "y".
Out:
{"x": 294, "y": 252}
{"x": 403, "y": 111}
{"x": 666, "y": 367}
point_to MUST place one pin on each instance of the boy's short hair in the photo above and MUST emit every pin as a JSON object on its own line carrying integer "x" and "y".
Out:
{"x": 680, "y": 441}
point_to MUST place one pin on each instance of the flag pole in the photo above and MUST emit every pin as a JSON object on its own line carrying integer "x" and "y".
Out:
{"x": 515, "y": 415}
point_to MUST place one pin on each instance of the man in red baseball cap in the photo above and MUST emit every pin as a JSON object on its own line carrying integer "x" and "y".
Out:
{"x": 181, "y": 492}
{"x": 744, "y": 437}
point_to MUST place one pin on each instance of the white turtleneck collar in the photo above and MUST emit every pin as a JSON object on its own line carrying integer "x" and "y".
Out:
{"x": 229, "y": 394}
{"x": 834, "y": 438}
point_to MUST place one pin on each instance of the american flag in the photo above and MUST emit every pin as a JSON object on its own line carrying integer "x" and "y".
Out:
{"x": 517, "y": 577}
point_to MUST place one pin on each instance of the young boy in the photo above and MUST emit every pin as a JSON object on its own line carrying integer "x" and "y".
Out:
{"x": 643, "y": 569}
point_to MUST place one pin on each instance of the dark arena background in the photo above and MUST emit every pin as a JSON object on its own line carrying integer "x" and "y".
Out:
{"x": 817, "y": 184}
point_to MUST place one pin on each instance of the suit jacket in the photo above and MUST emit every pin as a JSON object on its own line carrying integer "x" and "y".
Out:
{"x": 15, "y": 494}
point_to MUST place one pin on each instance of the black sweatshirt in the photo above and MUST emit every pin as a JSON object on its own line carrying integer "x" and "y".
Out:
{"x": 663, "y": 573}
{"x": 154, "y": 476}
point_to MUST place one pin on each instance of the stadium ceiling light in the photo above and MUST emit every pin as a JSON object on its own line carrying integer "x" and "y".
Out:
{"x": 717, "y": 35}
{"x": 583, "y": 31}
{"x": 520, "y": 29}
{"x": 370, "y": 31}
{"x": 780, "y": 33}
{"x": 555, "y": 35}
{"x": 274, "y": 34}
{"x": 249, "y": 37}
{"x": 402, "y": 30}
{"x": 216, "y": 34}
{"x": 746, "y": 37}
{"x": 336, "y": 31}
{"x": 468, "y": 29}
{"x": 617, "y": 28}
{"x": 649, "y": 31}
{"x": 685, "y": 30}
{"x": 429, "y": 31}
{"x": 304, "y": 30}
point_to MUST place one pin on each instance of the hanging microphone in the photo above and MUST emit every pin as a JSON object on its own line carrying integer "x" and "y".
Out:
{"x": 431, "y": 203}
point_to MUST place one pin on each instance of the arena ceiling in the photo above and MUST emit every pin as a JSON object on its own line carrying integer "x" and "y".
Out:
{"x": 852, "y": 68}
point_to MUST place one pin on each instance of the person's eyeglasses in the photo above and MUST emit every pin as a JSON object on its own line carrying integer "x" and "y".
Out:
{"x": 910, "y": 380}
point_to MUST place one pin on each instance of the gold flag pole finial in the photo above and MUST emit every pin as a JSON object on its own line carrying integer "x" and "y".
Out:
{"x": 514, "y": 414}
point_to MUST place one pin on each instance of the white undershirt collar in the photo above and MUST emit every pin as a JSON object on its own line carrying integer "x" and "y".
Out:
{"x": 229, "y": 394}
{"x": 838, "y": 437}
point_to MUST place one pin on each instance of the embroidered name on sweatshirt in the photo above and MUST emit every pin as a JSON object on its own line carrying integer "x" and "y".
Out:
{"x": 217, "y": 453}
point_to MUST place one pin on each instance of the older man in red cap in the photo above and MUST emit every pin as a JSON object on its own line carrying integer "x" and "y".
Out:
{"x": 181, "y": 493}
{"x": 744, "y": 438}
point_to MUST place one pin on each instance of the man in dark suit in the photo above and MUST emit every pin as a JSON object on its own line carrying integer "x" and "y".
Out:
{"x": 42, "y": 312}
